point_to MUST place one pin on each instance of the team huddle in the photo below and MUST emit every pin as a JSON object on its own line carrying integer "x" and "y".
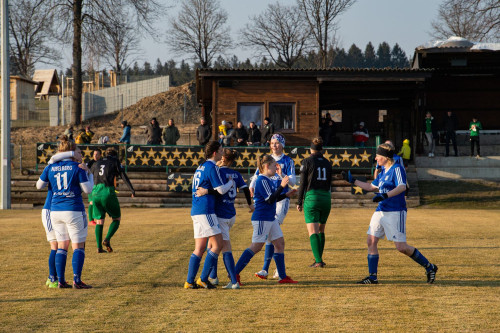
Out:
{"x": 214, "y": 189}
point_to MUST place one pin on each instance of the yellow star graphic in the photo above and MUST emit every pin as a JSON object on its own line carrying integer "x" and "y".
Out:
{"x": 138, "y": 152}
{"x": 239, "y": 161}
{"x": 151, "y": 153}
{"x": 245, "y": 155}
{"x": 258, "y": 153}
{"x": 365, "y": 156}
{"x": 144, "y": 160}
{"x": 189, "y": 153}
{"x": 42, "y": 159}
{"x": 87, "y": 152}
{"x": 182, "y": 161}
{"x": 336, "y": 160}
{"x": 132, "y": 160}
{"x": 157, "y": 160}
{"x": 297, "y": 160}
{"x": 170, "y": 161}
{"x": 179, "y": 180}
{"x": 306, "y": 155}
{"x": 49, "y": 151}
{"x": 327, "y": 155}
{"x": 176, "y": 153}
{"x": 172, "y": 187}
{"x": 163, "y": 153}
{"x": 345, "y": 156}
{"x": 186, "y": 187}
{"x": 355, "y": 161}
{"x": 196, "y": 161}
{"x": 357, "y": 190}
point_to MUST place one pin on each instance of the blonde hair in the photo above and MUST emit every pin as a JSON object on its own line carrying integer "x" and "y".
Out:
{"x": 264, "y": 160}
{"x": 65, "y": 144}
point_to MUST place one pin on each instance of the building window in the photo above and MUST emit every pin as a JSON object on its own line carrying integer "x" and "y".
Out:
{"x": 282, "y": 116}
{"x": 250, "y": 112}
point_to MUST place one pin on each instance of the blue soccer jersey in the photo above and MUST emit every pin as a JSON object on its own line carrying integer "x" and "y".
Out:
{"x": 388, "y": 180}
{"x": 264, "y": 188}
{"x": 64, "y": 178}
{"x": 287, "y": 169}
{"x": 224, "y": 205}
{"x": 207, "y": 176}
{"x": 48, "y": 200}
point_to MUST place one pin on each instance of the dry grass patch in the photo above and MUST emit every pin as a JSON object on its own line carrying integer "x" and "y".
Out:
{"x": 139, "y": 286}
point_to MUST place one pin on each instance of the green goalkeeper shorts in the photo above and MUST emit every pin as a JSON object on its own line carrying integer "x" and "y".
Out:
{"x": 105, "y": 201}
{"x": 317, "y": 206}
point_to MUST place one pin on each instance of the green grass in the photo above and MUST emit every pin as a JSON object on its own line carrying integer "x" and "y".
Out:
{"x": 460, "y": 194}
{"x": 139, "y": 286}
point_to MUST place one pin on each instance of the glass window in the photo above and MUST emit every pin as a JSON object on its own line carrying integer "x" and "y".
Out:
{"x": 248, "y": 112}
{"x": 282, "y": 116}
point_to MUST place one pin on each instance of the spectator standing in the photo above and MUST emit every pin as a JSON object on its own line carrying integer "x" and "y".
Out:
{"x": 360, "y": 135}
{"x": 241, "y": 134}
{"x": 126, "y": 132}
{"x": 231, "y": 134}
{"x": 450, "y": 125}
{"x": 222, "y": 131}
{"x": 203, "y": 133}
{"x": 254, "y": 135}
{"x": 153, "y": 131}
{"x": 89, "y": 133}
{"x": 82, "y": 138}
{"x": 430, "y": 132}
{"x": 474, "y": 128}
{"x": 170, "y": 134}
{"x": 267, "y": 131}
{"x": 405, "y": 153}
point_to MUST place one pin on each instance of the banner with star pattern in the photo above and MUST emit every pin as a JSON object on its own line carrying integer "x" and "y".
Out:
{"x": 181, "y": 182}
{"x": 44, "y": 151}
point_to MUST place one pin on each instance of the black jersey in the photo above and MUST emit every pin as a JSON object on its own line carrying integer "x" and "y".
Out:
{"x": 106, "y": 170}
{"x": 315, "y": 174}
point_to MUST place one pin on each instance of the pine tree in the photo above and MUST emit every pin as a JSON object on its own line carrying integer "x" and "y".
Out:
{"x": 355, "y": 57}
{"x": 383, "y": 55}
{"x": 369, "y": 56}
{"x": 398, "y": 57}
{"x": 158, "y": 67}
{"x": 340, "y": 59}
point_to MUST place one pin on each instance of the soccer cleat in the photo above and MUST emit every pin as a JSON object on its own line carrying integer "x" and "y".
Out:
{"x": 238, "y": 279}
{"x": 318, "y": 265}
{"x": 107, "y": 244}
{"x": 51, "y": 284}
{"x": 101, "y": 250}
{"x": 48, "y": 282}
{"x": 276, "y": 274}
{"x": 262, "y": 274}
{"x": 368, "y": 280}
{"x": 215, "y": 281}
{"x": 188, "y": 285}
{"x": 431, "y": 275}
{"x": 232, "y": 286}
{"x": 287, "y": 279}
{"x": 81, "y": 285}
{"x": 206, "y": 285}
{"x": 63, "y": 285}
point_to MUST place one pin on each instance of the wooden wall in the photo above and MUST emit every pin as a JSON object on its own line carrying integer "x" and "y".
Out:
{"x": 303, "y": 93}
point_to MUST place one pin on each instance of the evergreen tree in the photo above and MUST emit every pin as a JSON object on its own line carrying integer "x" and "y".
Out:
{"x": 158, "y": 67}
{"x": 398, "y": 57}
{"x": 147, "y": 69}
{"x": 383, "y": 55}
{"x": 136, "y": 70}
{"x": 340, "y": 59}
{"x": 369, "y": 56}
{"x": 355, "y": 57}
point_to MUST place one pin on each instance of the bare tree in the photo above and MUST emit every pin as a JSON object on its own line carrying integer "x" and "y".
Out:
{"x": 200, "y": 30}
{"x": 476, "y": 20}
{"x": 280, "y": 32}
{"x": 31, "y": 24}
{"x": 79, "y": 17}
{"x": 321, "y": 16}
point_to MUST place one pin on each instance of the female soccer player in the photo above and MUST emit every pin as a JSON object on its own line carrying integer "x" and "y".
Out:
{"x": 96, "y": 156}
{"x": 286, "y": 167}
{"x": 67, "y": 211}
{"x": 205, "y": 223}
{"x": 389, "y": 218}
{"x": 226, "y": 214}
{"x": 315, "y": 198}
{"x": 264, "y": 221}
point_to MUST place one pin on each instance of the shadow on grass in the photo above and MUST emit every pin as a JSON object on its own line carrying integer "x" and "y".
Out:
{"x": 465, "y": 193}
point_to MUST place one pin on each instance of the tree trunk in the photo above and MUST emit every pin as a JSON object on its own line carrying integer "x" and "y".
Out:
{"x": 76, "y": 112}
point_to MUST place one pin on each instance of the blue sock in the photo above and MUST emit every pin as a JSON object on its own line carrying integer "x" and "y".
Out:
{"x": 421, "y": 260}
{"x": 279, "y": 259}
{"x": 77, "y": 261}
{"x": 210, "y": 261}
{"x": 61, "y": 256}
{"x": 373, "y": 265}
{"x": 194, "y": 265}
{"x": 268, "y": 256}
{"x": 245, "y": 258}
{"x": 52, "y": 265}
{"x": 229, "y": 263}
{"x": 213, "y": 271}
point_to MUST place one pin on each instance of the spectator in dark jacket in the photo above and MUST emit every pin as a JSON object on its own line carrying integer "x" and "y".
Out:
{"x": 170, "y": 134}
{"x": 203, "y": 133}
{"x": 153, "y": 131}
{"x": 253, "y": 135}
{"x": 267, "y": 131}
{"x": 450, "y": 125}
{"x": 241, "y": 134}
{"x": 126, "y": 133}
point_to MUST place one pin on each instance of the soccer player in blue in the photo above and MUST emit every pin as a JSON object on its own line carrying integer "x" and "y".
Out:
{"x": 226, "y": 214}
{"x": 205, "y": 223}
{"x": 47, "y": 224}
{"x": 286, "y": 167}
{"x": 67, "y": 178}
{"x": 389, "y": 218}
{"x": 264, "y": 221}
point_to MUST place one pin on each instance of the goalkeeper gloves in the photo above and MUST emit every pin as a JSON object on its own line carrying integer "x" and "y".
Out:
{"x": 380, "y": 197}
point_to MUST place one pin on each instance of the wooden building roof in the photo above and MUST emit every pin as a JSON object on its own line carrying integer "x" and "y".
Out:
{"x": 49, "y": 81}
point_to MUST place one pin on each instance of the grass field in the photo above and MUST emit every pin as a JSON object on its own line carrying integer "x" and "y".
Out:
{"x": 139, "y": 286}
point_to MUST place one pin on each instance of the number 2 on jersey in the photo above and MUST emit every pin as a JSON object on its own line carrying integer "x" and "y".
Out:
{"x": 319, "y": 174}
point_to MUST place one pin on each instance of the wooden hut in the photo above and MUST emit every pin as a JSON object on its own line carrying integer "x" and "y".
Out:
{"x": 49, "y": 83}
{"x": 22, "y": 97}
